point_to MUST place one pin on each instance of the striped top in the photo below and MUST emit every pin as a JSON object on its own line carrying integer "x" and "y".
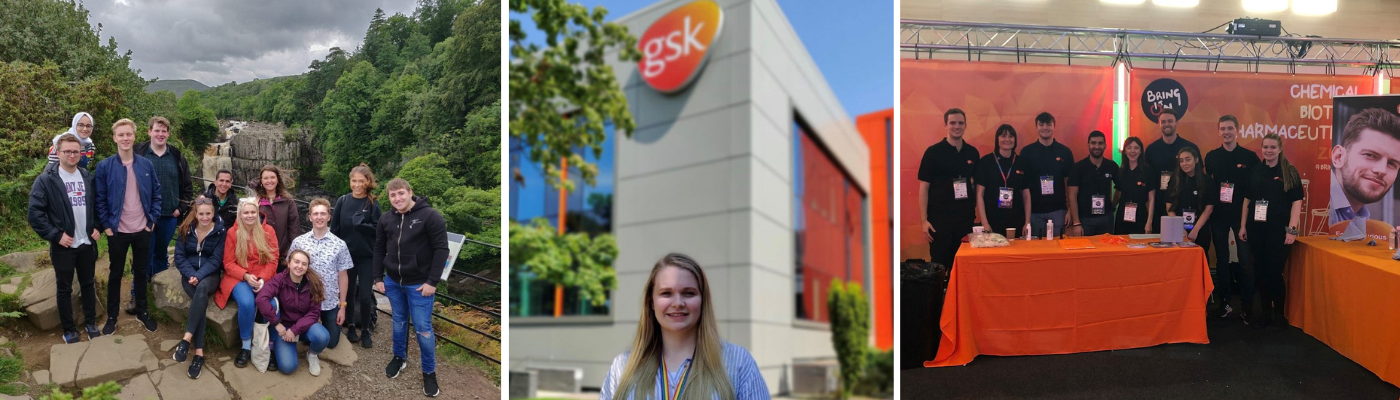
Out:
{"x": 743, "y": 375}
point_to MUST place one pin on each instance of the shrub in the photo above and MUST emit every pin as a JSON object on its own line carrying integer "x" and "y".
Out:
{"x": 850, "y": 331}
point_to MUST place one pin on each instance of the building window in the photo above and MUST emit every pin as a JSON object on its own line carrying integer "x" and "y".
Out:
{"x": 588, "y": 209}
{"x": 828, "y": 225}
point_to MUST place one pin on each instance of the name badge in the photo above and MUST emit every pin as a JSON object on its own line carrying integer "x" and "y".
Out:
{"x": 1227, "y": 193}
{"x": 960, "y": 189}
{"x": 1047, "y": 185}
{"x": 1130, "y": 212}
{"x": 1261, "y": 211}
{"x": 1004, "y": 197}
{"x": 1096, "y": 204}
{"x": 1166, "y": 178}
{"x": 1189, "y": 217}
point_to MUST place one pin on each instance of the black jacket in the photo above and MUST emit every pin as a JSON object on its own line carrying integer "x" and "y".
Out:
{"x": 50, "y": 215}
{"x": 198, "y": 261}
{"x": 412, "y": 247}
{"x": 228, "y": 213}
{"x": 186, "y": 182}
{"x": 358, "y": 238}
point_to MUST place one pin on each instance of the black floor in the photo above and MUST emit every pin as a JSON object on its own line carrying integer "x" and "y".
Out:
{"x": 1239, "y": 363}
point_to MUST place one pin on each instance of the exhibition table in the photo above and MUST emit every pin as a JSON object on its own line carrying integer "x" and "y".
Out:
{"x": 1034, "y": 297}
{"x": 1348, "y": 296}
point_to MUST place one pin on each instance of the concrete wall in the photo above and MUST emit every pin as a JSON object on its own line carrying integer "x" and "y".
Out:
{"x": 708, "y": 172}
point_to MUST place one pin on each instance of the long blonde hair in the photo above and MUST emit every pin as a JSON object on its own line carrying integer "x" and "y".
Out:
{"x": 707, "y": 377}
{"x": 1286, "y": 169}
{"x": 248, "y": 232}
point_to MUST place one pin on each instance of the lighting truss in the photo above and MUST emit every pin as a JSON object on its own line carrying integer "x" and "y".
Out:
{"x": 1121, "y": 45}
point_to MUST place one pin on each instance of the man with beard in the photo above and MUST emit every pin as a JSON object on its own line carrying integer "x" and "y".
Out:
{"x": 1364, "y": 165}
{"x": 1090, "y": 191}
{"x": 1161, "y": 155}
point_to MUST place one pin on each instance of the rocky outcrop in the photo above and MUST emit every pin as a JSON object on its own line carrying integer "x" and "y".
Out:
{"x": 171, "y": 298}
{"x": 258, "y": 144}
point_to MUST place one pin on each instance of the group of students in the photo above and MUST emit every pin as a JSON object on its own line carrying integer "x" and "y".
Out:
{"x": 305, "y": 286}
{"x": 1229, "y": 191}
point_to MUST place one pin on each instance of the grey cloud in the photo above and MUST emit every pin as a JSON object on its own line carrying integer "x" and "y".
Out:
{"x": 231, "y": 40}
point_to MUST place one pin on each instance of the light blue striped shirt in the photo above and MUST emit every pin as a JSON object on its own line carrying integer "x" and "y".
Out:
{"x": 743, "y": 375}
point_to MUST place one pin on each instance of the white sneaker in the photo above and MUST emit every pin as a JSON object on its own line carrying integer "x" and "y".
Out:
{"x": 313, "y": 363}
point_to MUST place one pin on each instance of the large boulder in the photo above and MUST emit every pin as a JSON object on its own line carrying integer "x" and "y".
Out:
{"x": 171, "y": 298}
{"x": 40, "y": 302}
{"x": 24, "y": 261}
{"x": 248, "y": 383}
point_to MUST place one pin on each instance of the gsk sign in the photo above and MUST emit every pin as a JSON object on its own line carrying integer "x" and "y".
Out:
{"x": 675, "y": 46}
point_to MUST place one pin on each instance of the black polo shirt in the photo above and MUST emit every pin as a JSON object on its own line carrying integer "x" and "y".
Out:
{"x": 1232, "y": 167}
{"x": 1093, "y": 181}
{"x": 1055, "y": 161}
{"x": 1266, "y": 183}
{"x": 1135, "y": 184}
{"x": 1191, "y": 196}
{"x": 994, "y": 173}
{"x": 1162, "y": 156}
{"x": 941, "y": 166}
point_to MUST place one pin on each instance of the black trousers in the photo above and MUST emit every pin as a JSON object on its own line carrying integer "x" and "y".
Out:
{"x": 1270, "y": 255}
{"x": 83, "y": 262}
{"x": 139, "y": 244}
{"x": 199, "y": 305}
{"x": 1227, "y": 273}
{"x": 946, "y": 240}
{"x": 359, "y": 308}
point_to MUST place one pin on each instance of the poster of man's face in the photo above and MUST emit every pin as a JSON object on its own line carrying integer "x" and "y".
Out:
{"x": 1365, "y": 159}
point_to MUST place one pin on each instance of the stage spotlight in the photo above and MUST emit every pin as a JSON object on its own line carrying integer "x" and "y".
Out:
{"x": 1176, "y": 3}
{"x": 1262, "y": 6}
{"x": 1314, "y": 7}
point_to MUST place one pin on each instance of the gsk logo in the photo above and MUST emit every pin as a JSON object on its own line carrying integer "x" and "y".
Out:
{"x": 675, "y": 46}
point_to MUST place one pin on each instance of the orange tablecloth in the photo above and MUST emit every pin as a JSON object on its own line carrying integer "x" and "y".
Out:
{"x": 1348, "y": 296}
{"x": 1035, "y": 298}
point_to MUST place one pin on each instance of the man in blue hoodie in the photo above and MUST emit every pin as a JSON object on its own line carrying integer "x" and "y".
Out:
{"x": 128, "y": 207}
{"x": 62, "y": 210}
{"x": 411, "y": 246}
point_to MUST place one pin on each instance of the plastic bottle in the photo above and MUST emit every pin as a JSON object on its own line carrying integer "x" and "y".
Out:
{"x": 1049, "y": 230}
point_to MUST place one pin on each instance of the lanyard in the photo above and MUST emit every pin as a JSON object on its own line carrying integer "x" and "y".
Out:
{"x": 1005, "y": 177}
{"x": 667, "y": 379}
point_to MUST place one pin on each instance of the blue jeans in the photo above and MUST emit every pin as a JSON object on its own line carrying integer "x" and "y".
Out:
{"x": 287, "y": 351}
{"x": 243, "y": 295}
{"x": 328, "y": 323}
{"x": 160, "y": 243}
{"x": 408, "y": 304}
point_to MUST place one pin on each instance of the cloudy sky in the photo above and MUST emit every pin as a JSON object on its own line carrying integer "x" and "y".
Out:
{"x": 218, "y": 41}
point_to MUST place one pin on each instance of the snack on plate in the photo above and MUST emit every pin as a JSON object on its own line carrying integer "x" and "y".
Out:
{"x": 986, "y": 239}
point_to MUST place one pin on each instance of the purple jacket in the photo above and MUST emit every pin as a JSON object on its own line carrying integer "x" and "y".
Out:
{"x": 298, "y": 311}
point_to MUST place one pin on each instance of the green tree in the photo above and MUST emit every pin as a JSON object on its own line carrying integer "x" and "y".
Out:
{"x": 347, "y": 135}
{"x": 475, "y": 213}
{"x": 568, "y": 72}
{"x": 197, "y": 125}
{"x": 849, "y": 313}
{"x": 573, "y": 259}
{"x": 429, "y": 176}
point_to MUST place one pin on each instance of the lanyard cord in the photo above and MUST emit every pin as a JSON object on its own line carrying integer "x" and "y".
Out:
{"x": 1005, "y": 177}
{"x": 666, "y": 376}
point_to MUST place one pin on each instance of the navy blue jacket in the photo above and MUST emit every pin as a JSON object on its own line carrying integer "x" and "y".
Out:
{"x": 192, "y": 260}
{"x": 111, "y": 190}
{"x": 50, "y": 214}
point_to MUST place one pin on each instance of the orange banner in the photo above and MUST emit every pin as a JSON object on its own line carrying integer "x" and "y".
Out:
{"x": 991, "y": 94}
{"x": 1297, "y": 107}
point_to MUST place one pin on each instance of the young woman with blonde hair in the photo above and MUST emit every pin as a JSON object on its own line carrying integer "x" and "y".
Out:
{"x": 677, "y": 350}
{"x": 250, "y": 259}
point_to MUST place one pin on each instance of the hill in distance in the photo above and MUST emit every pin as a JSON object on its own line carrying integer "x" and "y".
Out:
{"x": 177, "y": 86}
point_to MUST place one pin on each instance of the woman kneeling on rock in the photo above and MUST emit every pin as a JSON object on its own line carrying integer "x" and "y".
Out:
{"x": 199, "y": 256}
{"x": 291, "y": 303}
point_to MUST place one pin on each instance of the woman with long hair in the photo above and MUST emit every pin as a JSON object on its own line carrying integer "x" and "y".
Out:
{"x": 1192, "y": 195}
{"x": 677, "y": 349}
{"x": 276, "y": 204}
{"x": 291, "y": 304}
{"x": 199, "y": 256}
{"x": 352, "y": 220}
{"x": 250, "y": 259}
{"x": 1135, "y": 191}
{"x": 1001, "y": 186}
{"x": 1272, "y": 208}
